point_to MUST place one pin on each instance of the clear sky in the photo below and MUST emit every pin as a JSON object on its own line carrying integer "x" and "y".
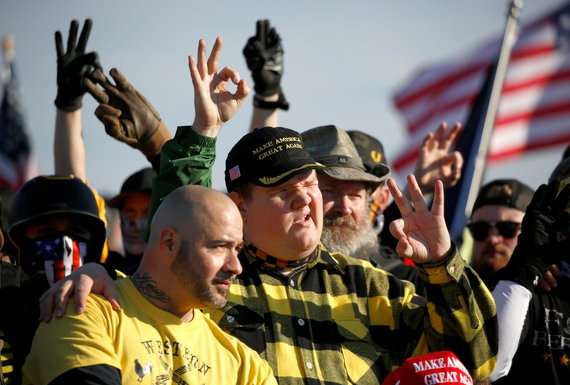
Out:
{"x": 343, "y": 62}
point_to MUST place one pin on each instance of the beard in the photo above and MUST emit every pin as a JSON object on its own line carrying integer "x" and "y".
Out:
{"x": 341, "y": 234}
{"x": 194, "y": 283}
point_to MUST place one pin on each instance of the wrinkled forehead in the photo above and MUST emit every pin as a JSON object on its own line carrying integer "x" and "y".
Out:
{"x": 330, "y": 182}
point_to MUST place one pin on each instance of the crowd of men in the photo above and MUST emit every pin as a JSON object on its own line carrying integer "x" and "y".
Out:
{"x": 302, "y": 272}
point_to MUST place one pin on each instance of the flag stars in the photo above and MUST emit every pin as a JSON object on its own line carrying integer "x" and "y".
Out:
{"x": 562, "y": 23}
{"x": 546, "y": 356}
{"x": 564, "y": 360}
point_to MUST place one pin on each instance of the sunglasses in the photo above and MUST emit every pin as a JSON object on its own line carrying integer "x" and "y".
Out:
{"x": 480, "y": 230}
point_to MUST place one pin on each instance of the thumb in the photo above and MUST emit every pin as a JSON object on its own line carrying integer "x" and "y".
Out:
{"x": 112, "y": 127}
{"x": 105, "y": 109}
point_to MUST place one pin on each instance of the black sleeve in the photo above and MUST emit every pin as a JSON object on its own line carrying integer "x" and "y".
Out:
{"x": 391, "y": 213}
{"x": 155, "y": 162}
{"x": 90, "y": 375}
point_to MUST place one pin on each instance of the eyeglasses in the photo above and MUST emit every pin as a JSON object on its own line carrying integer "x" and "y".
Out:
{"x": 480, "y": 230}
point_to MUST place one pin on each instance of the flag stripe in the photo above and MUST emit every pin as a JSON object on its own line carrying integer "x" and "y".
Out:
{"x": 533, "y": 109}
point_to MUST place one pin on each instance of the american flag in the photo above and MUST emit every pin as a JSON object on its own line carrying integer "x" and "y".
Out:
{"x": 16, "y": 163}
{"x": 534, "y": 111}
{"x": 61, "y": 255}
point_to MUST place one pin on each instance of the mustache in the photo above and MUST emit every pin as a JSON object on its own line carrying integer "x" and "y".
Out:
{"x": 333, "y": 220}
{"x": 488, "y": 248}
{"x": 221, "y": 276}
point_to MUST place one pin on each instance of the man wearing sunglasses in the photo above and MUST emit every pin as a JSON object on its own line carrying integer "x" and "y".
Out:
{"x": 495, "y": 224}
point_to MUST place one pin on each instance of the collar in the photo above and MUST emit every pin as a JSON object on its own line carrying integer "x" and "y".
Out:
{"x": 274, "y": 263}
{"x": 319, "y": 256}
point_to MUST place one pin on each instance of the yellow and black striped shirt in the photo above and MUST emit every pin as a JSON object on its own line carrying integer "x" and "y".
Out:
{"x": 340, "y": 320}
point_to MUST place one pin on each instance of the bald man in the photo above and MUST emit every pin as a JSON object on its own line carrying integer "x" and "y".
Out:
{"x": 158, "y": 336}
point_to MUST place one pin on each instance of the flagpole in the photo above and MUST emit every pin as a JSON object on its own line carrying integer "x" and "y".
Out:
{"x": 509, "y": 39}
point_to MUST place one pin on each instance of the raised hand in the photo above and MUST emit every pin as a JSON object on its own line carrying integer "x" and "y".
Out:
{"x": 421, "y": 233}
{"x": 127, "y": 115}
{"x": 436, "y": 162}
{"x": 539, "y": 243}
{"x": 264, "y": 56}
{"x": 214, "y": 104}
{"x": 72, "y": 65}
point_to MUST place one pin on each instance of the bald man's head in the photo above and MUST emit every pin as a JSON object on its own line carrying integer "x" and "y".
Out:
{"x": 186, "y": 208}
{"x": 199, "y": 230}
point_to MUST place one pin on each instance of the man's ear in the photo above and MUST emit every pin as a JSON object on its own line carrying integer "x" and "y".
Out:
{"x": 169, "y": 241}
{"x": 382, "y": 197}
{"x": 239, "y": 200}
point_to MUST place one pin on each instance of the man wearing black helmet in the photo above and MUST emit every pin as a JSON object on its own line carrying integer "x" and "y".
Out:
{"x": 55, "y": 226}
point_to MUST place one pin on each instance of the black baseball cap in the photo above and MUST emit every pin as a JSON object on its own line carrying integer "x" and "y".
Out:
{"x": 371, "y": 152}
{"x": 138, "y": 183}
{"x": 267, "y": 157}
{"x": 504, "y": 192}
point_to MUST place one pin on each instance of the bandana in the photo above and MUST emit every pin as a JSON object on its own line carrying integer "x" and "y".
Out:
{"x": 61, "y": 256}
{"x": 274, "y": 263}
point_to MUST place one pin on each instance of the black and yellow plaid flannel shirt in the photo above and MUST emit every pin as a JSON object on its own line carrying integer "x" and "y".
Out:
{"x": 339, "y": 320}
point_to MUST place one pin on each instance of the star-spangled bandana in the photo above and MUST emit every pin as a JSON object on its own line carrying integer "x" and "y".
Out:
{"x": 61, "y": 256}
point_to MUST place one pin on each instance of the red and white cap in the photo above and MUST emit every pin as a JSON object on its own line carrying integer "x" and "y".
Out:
{"x": 434, "y": 368}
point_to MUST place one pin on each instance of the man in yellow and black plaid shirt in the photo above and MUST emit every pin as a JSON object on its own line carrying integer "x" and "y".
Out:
{"x": 319, "y": 317}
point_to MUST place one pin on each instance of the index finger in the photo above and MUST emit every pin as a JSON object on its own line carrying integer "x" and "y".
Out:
{"x": 61, "y": 296}
{"x": 95, "y": 91}
{"x": 452, "y": 135}
{"x": 120, "y": 79}
{"x": 82, "y": 290}
{"x": 401, "y": 201}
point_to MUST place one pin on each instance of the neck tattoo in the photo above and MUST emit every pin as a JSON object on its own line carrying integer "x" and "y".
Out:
{"x": 147, "y": 287}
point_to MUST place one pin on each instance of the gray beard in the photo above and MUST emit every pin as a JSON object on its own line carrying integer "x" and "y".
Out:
{"x": 343, "y": 235}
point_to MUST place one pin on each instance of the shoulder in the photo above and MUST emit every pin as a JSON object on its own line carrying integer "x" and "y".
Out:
{"x": 229, "y": 344}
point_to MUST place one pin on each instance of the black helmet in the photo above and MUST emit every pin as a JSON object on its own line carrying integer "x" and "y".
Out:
{"x": 46, "y": 196}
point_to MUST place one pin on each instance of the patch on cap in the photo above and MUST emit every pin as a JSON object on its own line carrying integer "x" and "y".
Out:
{"x": 371, "y": 152}
{"x": 234, "y": 173}
{"x": 504, "y": 192}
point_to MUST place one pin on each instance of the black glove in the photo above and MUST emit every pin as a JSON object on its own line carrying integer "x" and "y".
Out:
{"x": 559, "y": 236}
{"x": 531, "y": 256}
{"x": 264, "y": 56}
{"x": 126, "y": 114}
{"x": 72, "y": 66}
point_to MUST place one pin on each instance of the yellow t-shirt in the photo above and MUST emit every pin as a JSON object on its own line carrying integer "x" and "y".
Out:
{"x": 147, "y": 344}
